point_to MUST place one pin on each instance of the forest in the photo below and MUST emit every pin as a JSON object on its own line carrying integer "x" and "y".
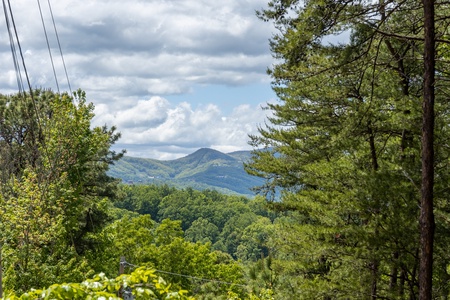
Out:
{"x": 355, "y": 160}
{"x": 66, "y": 225}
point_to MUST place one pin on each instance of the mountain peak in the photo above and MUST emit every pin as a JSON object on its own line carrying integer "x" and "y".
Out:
{"x": 206, "y": 154}
{"x": 205, "y": 168}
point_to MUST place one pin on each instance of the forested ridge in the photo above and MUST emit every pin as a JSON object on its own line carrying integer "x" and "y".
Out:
{"x": 66, "y": 225}
{"x": 355, "y": 161}
{"x": 203, "y": 169}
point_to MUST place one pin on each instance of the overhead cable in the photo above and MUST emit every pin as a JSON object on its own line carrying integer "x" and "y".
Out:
{"x": 13, "y": 49}
{"x": 202, "y": 279}
{"x": 59, "y": 46}
{"x": 187, "y": 276}
{"x": 48, "y": 45}
{"x": 20, "y": 48}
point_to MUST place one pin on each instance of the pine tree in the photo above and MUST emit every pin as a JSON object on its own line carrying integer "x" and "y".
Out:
{"x": 344, "y": 145}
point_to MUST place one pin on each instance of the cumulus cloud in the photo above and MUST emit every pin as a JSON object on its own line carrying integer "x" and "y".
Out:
{"x": 131, "y": 56}
{"x": 170, "y": 40}
{"x": 142, "y": 115}
{"x": 177, "y": 130}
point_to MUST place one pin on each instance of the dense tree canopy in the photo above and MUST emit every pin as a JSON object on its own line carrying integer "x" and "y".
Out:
{"x": 142, "y": 283}
{"x": 53, "y": 180}
{"x": 341, "y": 156}
{"x": 205, "y": 216}
{"x": 58, "y": 222}
{"x": 344, "y": 146}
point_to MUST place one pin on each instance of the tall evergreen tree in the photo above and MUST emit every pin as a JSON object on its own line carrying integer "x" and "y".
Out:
{"x": 344, "y": 145}
{"x": 427, "y": 223}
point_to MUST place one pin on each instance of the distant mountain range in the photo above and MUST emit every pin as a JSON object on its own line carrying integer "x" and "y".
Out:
{"x": 204, "y": 169}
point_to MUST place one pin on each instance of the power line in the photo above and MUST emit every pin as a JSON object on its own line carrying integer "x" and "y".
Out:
{"x": 13, "y": 50}
{"x": 18, "y": 58}
{"x": 10, "y": 21}
{"x": 202, "y": 279}
{"x": 20, "y": 49}
{"x": 59, "y": 46}
{"x": 187, "y": 276}
{"x": 48, "y": 45}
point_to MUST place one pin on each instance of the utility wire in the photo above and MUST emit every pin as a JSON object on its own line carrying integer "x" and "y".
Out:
{"x": 59, "y": 46}
{"x": 13, "y": 50}
{"x": 187, "y": 276}
{"x": 21, "y": 53}
{"x": 33, "y": 100}
{"x": 48, "y": 45}
{"x": 14, "y": 40}
{"x": 202, "y": 279}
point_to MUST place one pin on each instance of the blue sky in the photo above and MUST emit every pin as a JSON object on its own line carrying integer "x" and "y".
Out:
{"x": 173, "y": 75}
{"x": 226, "y": 97}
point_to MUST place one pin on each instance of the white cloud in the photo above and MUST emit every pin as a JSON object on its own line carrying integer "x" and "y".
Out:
{"x": 154, "y": 124}
{"x": 149, "y": 37}
{"x": 130, "y": 56}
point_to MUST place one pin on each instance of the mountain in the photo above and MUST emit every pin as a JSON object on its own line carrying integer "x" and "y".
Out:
{"x": 204, "y": 169}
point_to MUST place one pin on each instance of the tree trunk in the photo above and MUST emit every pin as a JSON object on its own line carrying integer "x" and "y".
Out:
{"x": 374, "y": 263}
{"x": 401, "y": 287}
{"x": 1, "y": 273}
{"x": 426, "y": 208}
{"x": 394, "y": 273}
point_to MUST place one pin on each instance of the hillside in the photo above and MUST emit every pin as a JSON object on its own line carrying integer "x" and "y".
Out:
{"x": 203, "y": 169}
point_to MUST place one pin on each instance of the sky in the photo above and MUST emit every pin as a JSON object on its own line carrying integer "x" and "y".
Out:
{"x": 172, "y": 75}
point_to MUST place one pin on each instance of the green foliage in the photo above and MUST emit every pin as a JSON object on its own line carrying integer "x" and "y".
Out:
{"x": 167, "y": 231}
{"x": 28, "y": 222}
{"x": 53, "y": 186}
{"x": 238, "y": 226}
{"x": 58, "y": 225}
{"x": 343, "y": 150}
{"x": 202, "y": 231}
{"x": 206, "y": 216}
{"x": 142, "y": 283}
{"x": 231, "y": 236}
{"x": 143, "y": 199}
{"x": 204, "y": 169}
{"x": 254, "y": 241}
{"x": 161, "y": 246}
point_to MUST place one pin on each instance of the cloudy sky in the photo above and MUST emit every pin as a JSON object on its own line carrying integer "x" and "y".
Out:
{"x": 173, "y": 75}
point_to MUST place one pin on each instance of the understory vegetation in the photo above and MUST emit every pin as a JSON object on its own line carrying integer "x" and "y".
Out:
{"x": 355, "y": 161}
{"x": 66, "y": 225}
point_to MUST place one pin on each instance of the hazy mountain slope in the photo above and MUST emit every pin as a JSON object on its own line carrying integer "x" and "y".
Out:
{"x": 242, "y": 156}
{"x": 139, "y": 169}
{"x": 201, "y": 156}
{"x": 205, "y": 168}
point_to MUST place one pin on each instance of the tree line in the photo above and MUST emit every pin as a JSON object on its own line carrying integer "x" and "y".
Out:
{"x": 64, "y": 220}
{"x": 358, "y": 146}
{"x": 355, "y": 203}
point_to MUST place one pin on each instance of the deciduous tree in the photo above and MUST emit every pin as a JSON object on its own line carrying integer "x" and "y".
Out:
{"x": 53, "y": 180}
